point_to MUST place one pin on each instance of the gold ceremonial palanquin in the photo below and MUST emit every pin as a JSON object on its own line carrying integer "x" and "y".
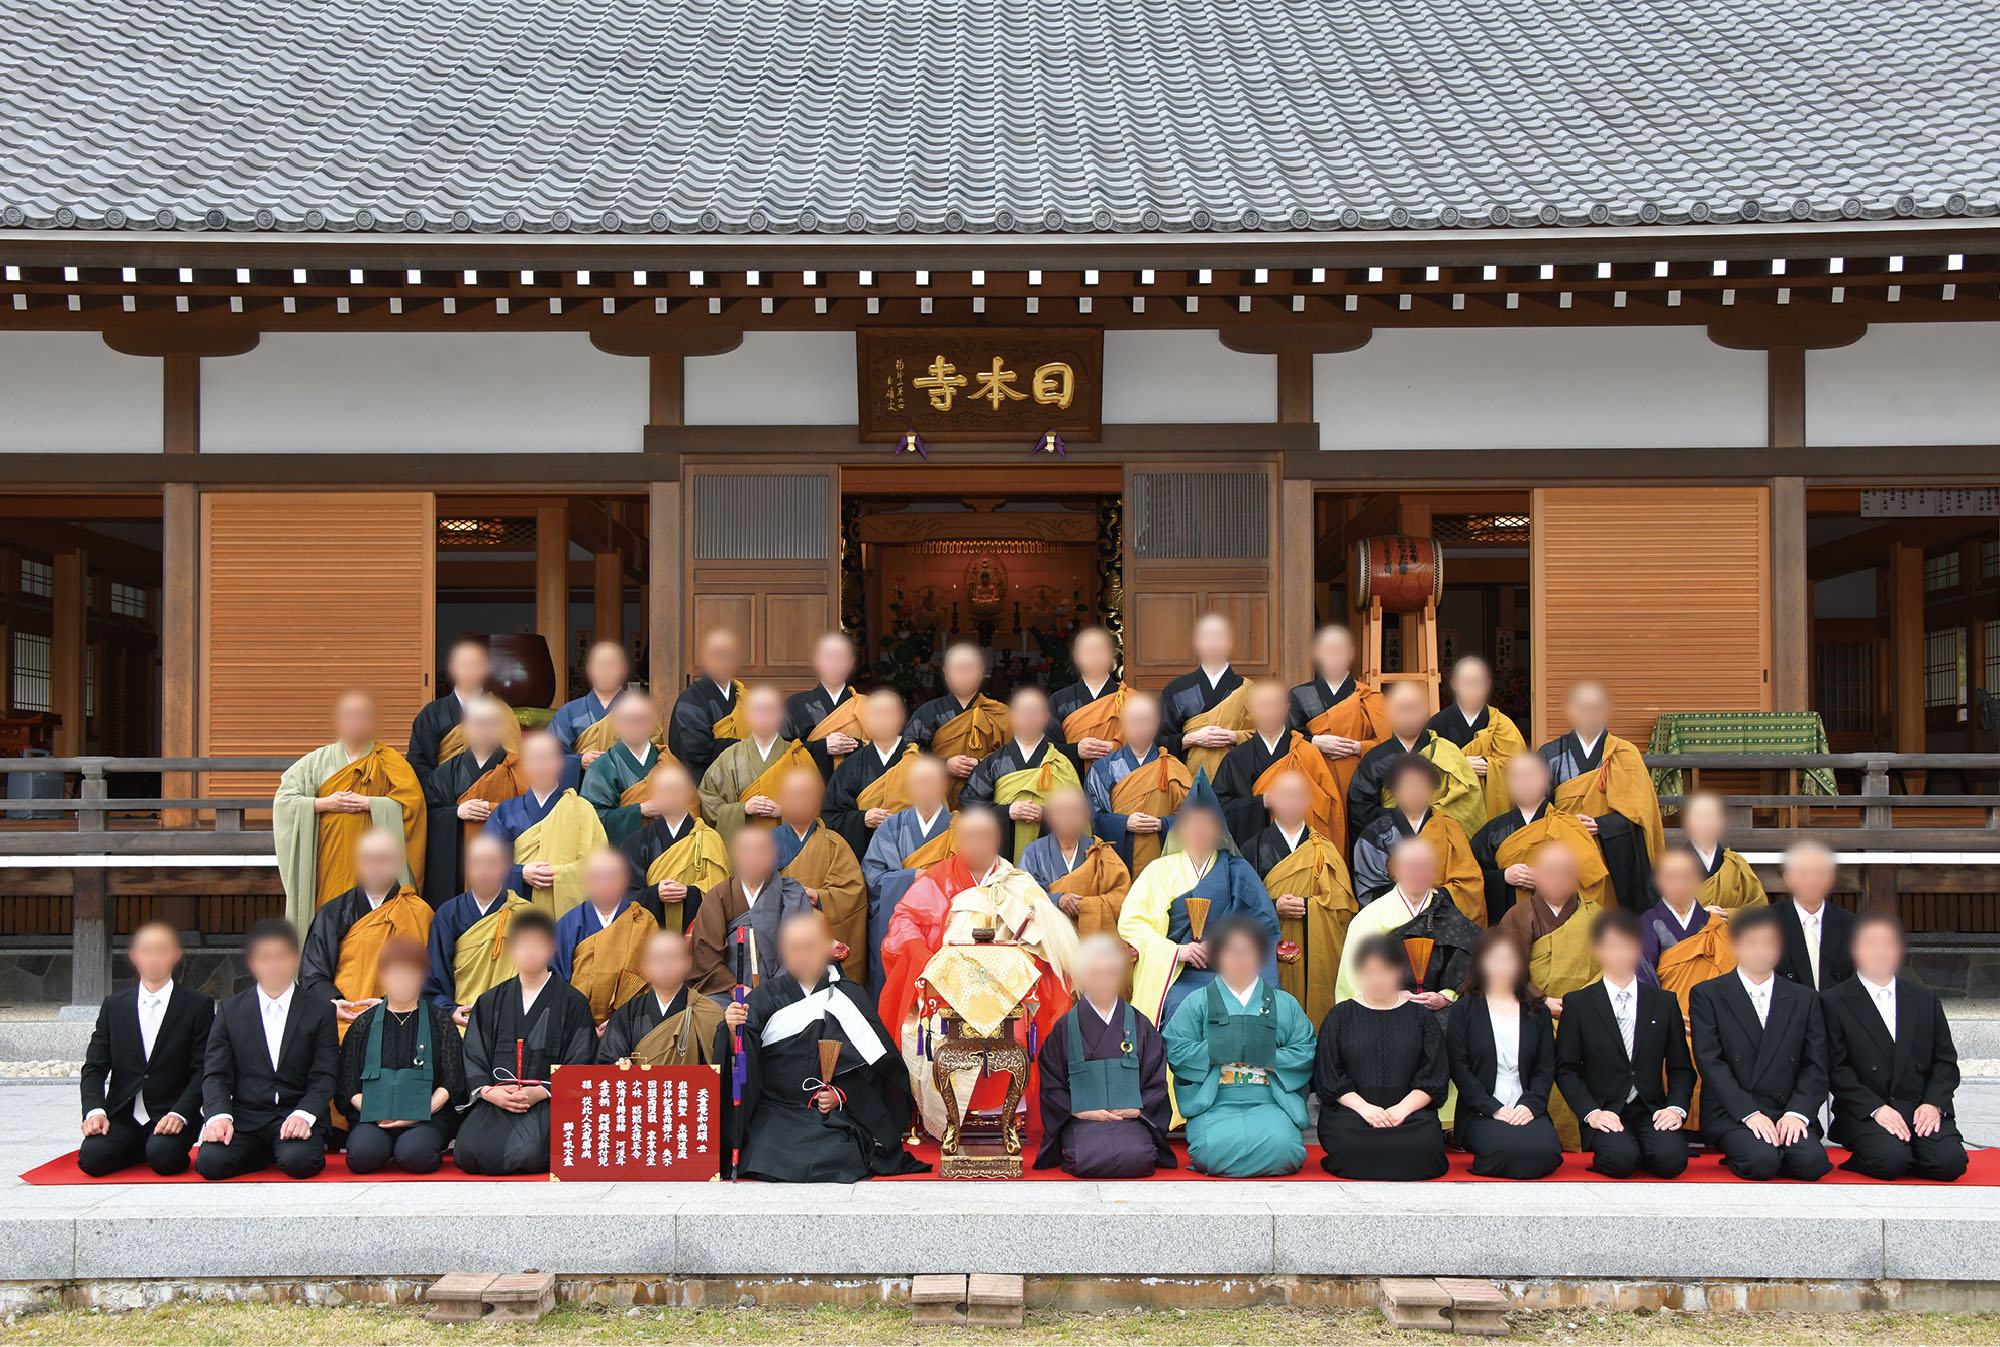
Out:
{"x": 976, "y": 993}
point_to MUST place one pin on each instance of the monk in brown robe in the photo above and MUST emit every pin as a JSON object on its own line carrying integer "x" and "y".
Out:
{"x": 1727, "y": 879}
{"x": 1309, "y": 885}
{"x": 821, "y": 861}
{"x": 1344, "y": 716}
{"x": 598, "y": 942}
{"x": 1604, "y": 781}
{"x": 1082, "y": 873}
{"x": 668, "y": 1024}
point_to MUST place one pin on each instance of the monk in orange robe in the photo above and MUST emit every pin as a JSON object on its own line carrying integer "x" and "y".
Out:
{"x": 1344, "y": 716}
{"x": 964, "y": 725}
{"x": 1091, "y": 710}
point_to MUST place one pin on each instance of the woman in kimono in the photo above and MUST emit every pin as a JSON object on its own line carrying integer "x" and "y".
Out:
{"x": 401, "y": 1072}
{"x": 1241, "y": 1053}
{"x": 1380, "y": 1075}
{"x": 1502, "y": 1047}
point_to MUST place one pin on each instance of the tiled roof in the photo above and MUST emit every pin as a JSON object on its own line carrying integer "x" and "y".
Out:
{"x": 974, "y": 116}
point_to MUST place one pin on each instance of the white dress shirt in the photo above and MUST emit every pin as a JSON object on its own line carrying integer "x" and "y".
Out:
{"x": 1884, "y": 998}
{"x": 1506, "y": 1054}
{"x": 274, "y": 1011}
{"x": 152, "y": 1010}
{"x": 1813, "y": 926}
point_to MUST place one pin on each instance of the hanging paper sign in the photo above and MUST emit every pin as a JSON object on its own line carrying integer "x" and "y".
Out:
{"x": 658, "y": 1123}
{"x": 981, "y": 383}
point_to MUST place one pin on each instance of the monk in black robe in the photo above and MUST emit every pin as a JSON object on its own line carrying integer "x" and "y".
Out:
{"x": 1202, "y": 712}
{"x": 667, "y": 880}
{"x": 668, "y": 1024}
{"x": 810, "y": 715}
{"x": 518, "y": 1034}
{"x": 467, "y": 668}
{"x": 800, "y": 1122}
{"x": 1603, "y": 779}
{"x": 1019, "y": 776}
{"x": 455, "y": 810}
{"x": 1270, "y": 743}
{"x": 963, "y": 725}
{"x": 1089, "y": 712}
{"x": 707, "y": 715}
{"x": 1104, "y": 1104}
{"x": 1409, "y": 730}
{"x": 882, "y": 748}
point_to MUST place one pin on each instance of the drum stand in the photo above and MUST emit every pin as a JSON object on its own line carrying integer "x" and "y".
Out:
{"x": 1426, "y": 670}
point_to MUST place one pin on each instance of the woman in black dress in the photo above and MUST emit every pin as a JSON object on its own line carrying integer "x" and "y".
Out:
{"x": 1380, "y": 1075}
{"x": 401, "y": 1072}
{"x": 1502, "y": 1047}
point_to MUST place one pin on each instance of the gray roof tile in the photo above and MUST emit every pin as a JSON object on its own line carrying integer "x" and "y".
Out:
{"x": 786, "y": 116}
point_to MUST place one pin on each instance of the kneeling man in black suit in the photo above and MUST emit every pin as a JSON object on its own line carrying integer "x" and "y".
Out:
{"x": 271, "y": 1060}
{"x": 142, "y": 1070}
{"x": 1894, "y": 1068}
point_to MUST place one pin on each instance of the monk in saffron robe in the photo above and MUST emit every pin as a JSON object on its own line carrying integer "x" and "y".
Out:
{"x": 437, "y": 734}
{"x": 735, "y": 935}
{"x": 740, "y": 788}
{"x": 669, "y": 1023}
{"x": 1345, "y": 718}
{"x": 1089, "y": 712}
{"x": 1504, "y": 846}
{"x": 1683, "y": 944}
{"x": 819, "y": 859}
{"x": 1204, "y": 713}
{"x": 1310, "y": 889}
{"x": 1412, "y": 785}
{"x": 468, "y": 940}
{"x": 1020, "y": 776}
{"x": 1554, "y": 927}
{"x": 708, "y": 715}
{"x": 346, "y": 938}
{"x": 462, "y": 791}
{"x": 599, "y": 941}
{"x": 676, "y": 857}
{"x": 1727, "y": 879}
{"x": 608, "y": 670}
{"x": 1459, "y": 792}
{"x": 1083, "y": 874}
{"x": 872, "y": 782}
{"x": 826, "y": 717}
{"x": 1135, "y": 790}
{"x": 964, "y": 725}
{"x": 1273, "y": 749}
{"x": 326, "y": 800}
{"x": 615, "y": 782}
{"x": 907, "y": 843}
{"x": 1173, "y": 901}
{"x": 976, "y": 886}
{"x": 550, "y": 828}
{"x": 1486, "y": 735}
{"x": 1603, "y": 780}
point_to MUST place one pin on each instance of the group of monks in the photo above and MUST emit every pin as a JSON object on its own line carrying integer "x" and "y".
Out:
{"x": 836, "y": 851}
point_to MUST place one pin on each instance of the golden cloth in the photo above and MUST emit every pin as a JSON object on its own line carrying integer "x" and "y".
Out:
{"x": 1232, "y": 713}
{"x": 1315, "y": 872}
{"x": 982, "y": 983}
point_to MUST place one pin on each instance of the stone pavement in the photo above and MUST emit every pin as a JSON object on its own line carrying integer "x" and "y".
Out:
{"x": 1597, "y": 1231}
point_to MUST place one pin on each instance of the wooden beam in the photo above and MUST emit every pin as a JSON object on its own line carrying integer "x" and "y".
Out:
{"x": 67, "y": 628}
{"x": 1906, "y": 621}
{"x": 1295, "y": 385}
{"x": 180, "y": 378}
{"x": 1785, "y": 396}
{"x": 180, "y": 625}
{"x": 1791, "y": 598}
{"x": 666, "y": 389}
{"x": 663, "y": 591}
{"x": 552, "y": 588}
{"x": 607, "y": 598}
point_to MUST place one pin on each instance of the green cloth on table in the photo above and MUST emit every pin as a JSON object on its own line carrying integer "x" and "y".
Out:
{"x": 1728, "y": 732}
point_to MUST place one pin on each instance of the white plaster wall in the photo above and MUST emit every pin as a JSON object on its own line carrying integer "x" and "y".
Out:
{"x": 1907, "y": 383}
{"x": 1185, "y": 376}
{"x": 421, "y": 392}
{"x": 776, "y": 379}
{"x": 1559, "y": 388}
{"x": 69, "y": 393}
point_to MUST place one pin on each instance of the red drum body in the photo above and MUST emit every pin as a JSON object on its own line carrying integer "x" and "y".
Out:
{"x": 1404, "y": 573}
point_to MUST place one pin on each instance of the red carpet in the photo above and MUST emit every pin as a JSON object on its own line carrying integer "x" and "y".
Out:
{"x": 1982, "y": 1172}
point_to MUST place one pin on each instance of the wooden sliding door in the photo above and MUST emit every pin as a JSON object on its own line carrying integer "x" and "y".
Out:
{"x": 762, "y": 560}
{"x": 1199, "y": 538}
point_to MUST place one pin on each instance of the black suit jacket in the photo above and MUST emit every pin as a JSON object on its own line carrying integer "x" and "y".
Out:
{"x": 240, "y": 1080}
{"x": 1592, "y": 1070}
{"x": 1475, "y": 1058}
{"x": 1869, "y": 1069}
{"x": 116, "y": 1069}
{"x": 1777, "y": 1069}
{"x": 1836, "y": 965}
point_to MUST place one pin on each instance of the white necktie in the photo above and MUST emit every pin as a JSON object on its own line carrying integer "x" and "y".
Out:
{"x": 1885, "y": 1002}
{"x": 1812, "y": 952}
{"x": 274, "y": 1029}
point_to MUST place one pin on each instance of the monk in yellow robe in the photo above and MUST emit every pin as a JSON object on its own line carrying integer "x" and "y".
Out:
{"x": 676, "y": 857}
{"x": 1728, "y": 881}
{"x": 1136, "y": 790}
{"x": 1503, "y": 847}
{"x": 822, "y": 862}
{"x": 1311, "y": 890}
{"x": 600, "y": 940}
{"x": 1484, "y": 733}
{"x": 740, "y": 788}
{"x": 1344, "y": 716}
{"x": 468, "y": 940}
{"x": 1018, "y": 777}
{"x": 1459, "y": 793}
{"x": 326, "y": 800}
{"x": 1603, "y": 779}
{"x": 344, "y": 943}
{"x": 1554, "y": 927}
{"x": 964, "y": 725}
{"x": 1206, "y": 712}
{"x": 550, "y": 827}
{"x": 669, "y": 1024}
{"x": 1090, "y": 711}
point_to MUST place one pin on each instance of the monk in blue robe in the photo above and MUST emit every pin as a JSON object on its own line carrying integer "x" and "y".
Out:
{"x": 906, "y": 844}
{"x": 616, "y": 783}
{"x": 601, "y": 942}
{"x": 1136, "y": 789}
{"x": 1242, "y": 1057}
{"x": 1104, "y": 1105}
{"x": 468, "y": 945}
{"x": 546, "y": 828}
{"x": 607, "y": 669}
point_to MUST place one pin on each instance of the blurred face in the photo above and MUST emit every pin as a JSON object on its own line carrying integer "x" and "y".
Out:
{"x": 1213, "y": 641}
{"x": 632, "y": 719}
{"x": 542, "y": 762}
{"x": 154, "y": 953}
{"x": 273, "y": 963}
{"x": 1333, "y": 654}
{"x": 1703, "y": 821}
{"x": 927, "y": 785}
{"x": 1471, "y": 683}
{"x": 765, "y": 710}
{"x": 485, "y": 726}
{"x": 354, "y": 720}
{"x": 1589, "y": 710}
{"x": 1618, "y": 955}
{"x": 1413, "y": 865}
{"x": 1094, "y": 656}
{"x": 1501, "y": 964}
{"x": 378, "y": 860}
{"x": 1199, "y": 831}
{"x": 882, "y": 717}
{"x": 665, "y": 963}
{"x": 1757, "y": 950}
{"x": 1527, "y": 781}
{"x": 833, "y": 660}
{"x": 1028, "y": 713}
{"x": 1412, "y": 793}
{"x": 1379, "y": 979}
{"x": 1288, "y": 800}
{"x": 402, "y": 983}
{"x": 753, "y": 856}
{"x": 1877, "y": 951}
{"x": 805, "y": 948}
{"x": 1810, "y": 875}
{"x": 468, "y": 666}
{"x": 1678, "y": 877}
{"x": 1067, "y": 815}
{"x": 800, "y": 796}
{"x": 606, "y": 668}
{"x": 1141, "y": 719}
{"x": 1270, "y": 706}
{"x": 964, "y": 671}
{"x": 1100, "y": 972}
{"x": 978, "y": 841}
{"x": 1409, "y": 711}
{"x": 673, "y": 793}
{"x": 720, "y": 656}
{"x": 533, "y": 952}
{"x": 1239, "y": 961}
{"x": 604, "y": 878}
{"x": 486, "y": 865}
{"x": 1555, "y": 874}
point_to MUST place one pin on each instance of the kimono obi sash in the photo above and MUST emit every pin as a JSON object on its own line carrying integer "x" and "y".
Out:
{"x": 1240, "y": 1040}
{"x": 1108, "y": 1082}
{"x": 402, "y": 1095}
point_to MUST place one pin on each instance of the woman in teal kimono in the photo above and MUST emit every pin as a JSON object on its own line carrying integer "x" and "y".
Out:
{"x": 1241, "y": 1052}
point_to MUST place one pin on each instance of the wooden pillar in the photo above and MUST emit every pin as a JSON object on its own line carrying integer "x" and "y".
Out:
{"x": 1785, "y": 396}
{"x": 552, "y": 588}
{"x": 180, "y": 403}
{"x": 1295, "y": 579}
{"x": 1295, "y": 385}
{"x": 67, "y": 628}
{"x": 666, "y": 388}
{"x": 664, "y": 659}
{"x": 180, "y": 618}
{"x": 607, "y": 597}
{"x": 1791, "y": 599}
{"x": 90, "y": 938}
{"x": 1906, "y": 625}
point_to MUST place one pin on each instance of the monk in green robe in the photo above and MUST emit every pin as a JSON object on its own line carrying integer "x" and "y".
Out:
{"x": 615, "y": 783}
{"x": 740, "y": 788}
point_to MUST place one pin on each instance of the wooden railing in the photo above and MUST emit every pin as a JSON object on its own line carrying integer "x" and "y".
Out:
{"x": 188, "y": 824}
{"x": 1874, "y": 807}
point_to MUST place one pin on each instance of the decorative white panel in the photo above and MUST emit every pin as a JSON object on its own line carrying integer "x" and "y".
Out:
{"x": 1152, "y": 377}
{"x": 69, "y": 393}
{"x": 1907, "y": 383}
{"x": 422, "y": 392}
{"x": 1552, "y": 388}
{"x": 776, "y": 379}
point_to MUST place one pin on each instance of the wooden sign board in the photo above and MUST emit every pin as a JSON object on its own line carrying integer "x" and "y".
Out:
{"x": 981, "y": 383}
{"x": 654, "y": 1123}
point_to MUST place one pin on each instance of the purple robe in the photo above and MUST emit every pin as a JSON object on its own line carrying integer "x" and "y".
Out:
{"x": 1126, "y": 1149}
{"x": 1660, "y": 930}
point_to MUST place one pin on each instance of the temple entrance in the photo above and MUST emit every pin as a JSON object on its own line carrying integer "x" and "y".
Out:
{"x": 1017, "y": 560}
